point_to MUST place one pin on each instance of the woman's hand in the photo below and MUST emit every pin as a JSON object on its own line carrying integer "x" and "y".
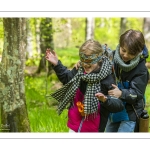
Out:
{"x": 115, "y": 92}
{"x": 51, "y": 57}
{"x": 101, "y": 97}
{"x": 77, "y": 65}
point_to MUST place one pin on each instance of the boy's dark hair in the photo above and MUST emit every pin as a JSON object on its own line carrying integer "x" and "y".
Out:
{"x": 133, "y": 40}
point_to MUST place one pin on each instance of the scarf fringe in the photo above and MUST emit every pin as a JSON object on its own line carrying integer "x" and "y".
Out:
{"x": 90, "y": 116}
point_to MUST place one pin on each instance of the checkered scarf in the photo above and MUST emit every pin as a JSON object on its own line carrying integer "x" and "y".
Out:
{"x": 66, "y": 94}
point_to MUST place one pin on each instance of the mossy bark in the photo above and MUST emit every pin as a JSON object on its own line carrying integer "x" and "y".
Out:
{"x": 14, "y": 114}
{"x": 46, "y": 41}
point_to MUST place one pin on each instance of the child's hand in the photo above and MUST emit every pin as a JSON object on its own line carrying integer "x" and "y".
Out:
{"x": 101, "y": 97}
{"x": 77, "y": 65}
{"x": 51, "y": 57}
{"x": 115, "y": 92}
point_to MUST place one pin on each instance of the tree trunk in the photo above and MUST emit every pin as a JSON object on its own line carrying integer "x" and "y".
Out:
{"x": 29, "y": 48}
{"x": 37, "y": 34}
{"x": 146, "y": 30}
{"x": 89, "y": 28}
{"x": 14, "y": 116}
{"x": 68, "y": 31}
{"x": 123, "y": 22}
{"x": 46, "y": 41}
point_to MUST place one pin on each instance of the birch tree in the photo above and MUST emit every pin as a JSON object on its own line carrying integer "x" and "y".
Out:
{"x": 89, "y": 29}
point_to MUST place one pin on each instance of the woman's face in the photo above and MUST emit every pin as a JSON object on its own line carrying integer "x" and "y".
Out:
{"x": 125, "y": 54}
{"x": 87, "y": 66}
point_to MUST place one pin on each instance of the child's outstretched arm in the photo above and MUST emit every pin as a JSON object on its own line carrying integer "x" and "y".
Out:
{"x": 51, "y": 56}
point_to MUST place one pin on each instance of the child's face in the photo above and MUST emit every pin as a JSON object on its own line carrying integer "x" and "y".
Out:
{"x": 89, "y": 62}
{"x": 125, "y": 54}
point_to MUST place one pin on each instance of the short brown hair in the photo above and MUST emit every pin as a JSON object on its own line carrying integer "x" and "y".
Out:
{"x": 133, "y": 40}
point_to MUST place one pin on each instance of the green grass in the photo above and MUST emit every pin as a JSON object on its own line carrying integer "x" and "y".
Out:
{"x": 45, "y": 119}
{"x": 42, "y": 114}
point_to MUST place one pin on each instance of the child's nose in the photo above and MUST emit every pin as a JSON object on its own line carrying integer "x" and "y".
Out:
{"x": 126, "y": 55}
{"x": 85, "y": 65}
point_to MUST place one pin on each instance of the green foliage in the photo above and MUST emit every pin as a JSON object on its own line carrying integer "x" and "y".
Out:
{"x": 35, "y": 88}
{"x": 78, "y": 33}
{"x": 68, "y": 56}
{"x": 33, "y": 61}
{"x": 147, "y": 95}
{"x": 135, "y": 23}
{"x": 69, "y": 32}
{"x": 107, "y": 31}
{"x": 148, "y": 59}
{"x": 1, "y": 28}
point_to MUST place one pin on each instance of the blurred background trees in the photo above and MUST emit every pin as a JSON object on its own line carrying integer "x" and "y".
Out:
{"x": 59, "y": 33}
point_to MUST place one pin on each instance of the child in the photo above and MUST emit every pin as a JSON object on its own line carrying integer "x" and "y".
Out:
{"x": 85, "y": 89}
{"x": 132, "y": 78}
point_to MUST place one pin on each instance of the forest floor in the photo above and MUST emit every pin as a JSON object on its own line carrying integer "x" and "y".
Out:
{"x": 30, "y": 70}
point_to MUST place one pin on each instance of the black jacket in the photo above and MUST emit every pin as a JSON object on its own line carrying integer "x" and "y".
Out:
{"x": 111, "y": 105}
{"x": 138, "y": 79}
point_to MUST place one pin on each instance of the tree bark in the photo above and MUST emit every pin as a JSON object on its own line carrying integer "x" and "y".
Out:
{"x": 46, "y": 41}
{"x": 14, "y": 116}
{"x": 37, "y": 34}
{"x": 123, "y": 22}
{"x": 146, "y": 29}
{"x": 90, "y": 24}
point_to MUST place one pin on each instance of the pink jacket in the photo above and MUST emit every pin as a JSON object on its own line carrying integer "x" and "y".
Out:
{"x": 74, "y": 117}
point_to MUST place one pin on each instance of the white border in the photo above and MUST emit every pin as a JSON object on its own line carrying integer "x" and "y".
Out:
{"x": 75, "y": 5}
{"x": 56, "y": 135}
{"x": 68, "y": 141}
{"x": 73, "y": 14}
